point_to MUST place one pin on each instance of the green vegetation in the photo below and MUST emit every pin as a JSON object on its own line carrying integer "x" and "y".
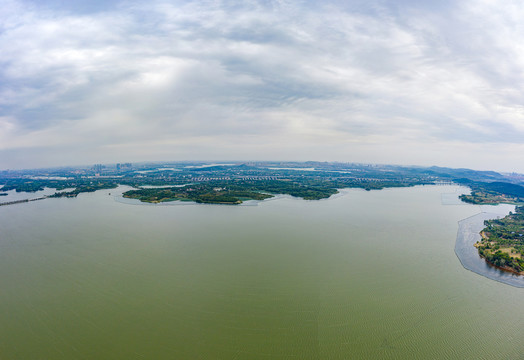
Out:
{"x": 200, "y": 193}
{"x": 233, "y": 192}
{"x": 234, "y": 183}
{"x": 307, "y": 189}
{"x": 480, "y": 197}
{"x": 91, "y": 187}
{"x": 496, "y": 192}
{"x": 26, "y": 186}
{"x": 257, "y": 180}
{"x": 502, "y": 241}
{"x": 78, "y": 186}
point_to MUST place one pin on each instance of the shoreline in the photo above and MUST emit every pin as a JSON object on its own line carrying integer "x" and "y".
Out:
{"x": 505, "y": 268}
{"x": 468, "y": 234}
{"x": 502, "y": 268}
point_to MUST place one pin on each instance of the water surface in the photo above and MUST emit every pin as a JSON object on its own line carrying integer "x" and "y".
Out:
{"x": 363, "y": 275}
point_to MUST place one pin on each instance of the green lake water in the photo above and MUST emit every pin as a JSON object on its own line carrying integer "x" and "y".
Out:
{"x": 363, "y": 275}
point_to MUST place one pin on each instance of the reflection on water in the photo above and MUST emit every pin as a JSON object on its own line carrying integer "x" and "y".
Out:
{"x": 468, "y": 235}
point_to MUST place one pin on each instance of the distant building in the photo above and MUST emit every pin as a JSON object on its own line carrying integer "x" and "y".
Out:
{"x": 98, "y": 168}
{"x": 124, "y": 166}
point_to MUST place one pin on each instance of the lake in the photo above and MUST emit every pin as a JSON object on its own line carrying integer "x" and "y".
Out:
{"x": 362, "y": 275}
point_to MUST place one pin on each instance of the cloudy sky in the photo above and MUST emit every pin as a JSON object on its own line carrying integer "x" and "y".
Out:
{"x": 398, "y": 81}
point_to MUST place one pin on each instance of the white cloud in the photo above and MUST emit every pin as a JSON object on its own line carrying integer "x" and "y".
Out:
{"x": 372, "y": 81}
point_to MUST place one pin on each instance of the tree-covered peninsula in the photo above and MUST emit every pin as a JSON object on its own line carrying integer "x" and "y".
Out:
{"x": 502, "y": 241}
{"x": 201, "y": 193}
{"x": 230, "y": 192}
{"x": 492, "y": 193}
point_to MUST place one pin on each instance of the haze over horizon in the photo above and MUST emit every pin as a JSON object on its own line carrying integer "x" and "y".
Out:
{"x": 307, "y": 163}
{"x": 391, "y": 82}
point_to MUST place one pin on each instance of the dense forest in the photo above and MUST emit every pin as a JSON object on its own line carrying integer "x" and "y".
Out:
{"x": 502, "y": 241}
{"x": 231, "y": 192}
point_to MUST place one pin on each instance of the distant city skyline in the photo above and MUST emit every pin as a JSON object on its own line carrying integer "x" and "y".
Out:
{"x": 387, "y": 82}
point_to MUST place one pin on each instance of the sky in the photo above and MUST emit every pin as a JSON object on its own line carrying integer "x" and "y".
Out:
{"x": 392, "y": 82}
